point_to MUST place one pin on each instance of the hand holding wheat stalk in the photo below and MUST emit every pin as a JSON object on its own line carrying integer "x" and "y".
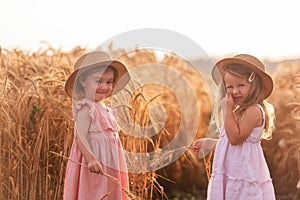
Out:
{"x": 167, "y": 157}
{"x": 128, "y": 193}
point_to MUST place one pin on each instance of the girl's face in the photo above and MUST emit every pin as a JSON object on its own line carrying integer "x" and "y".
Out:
{"x": 238, "y": 87}
{"x": 98, "y": 85}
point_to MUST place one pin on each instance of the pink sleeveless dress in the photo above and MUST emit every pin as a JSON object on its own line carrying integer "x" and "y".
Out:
{"x": 240, "y": 172}
{"x": 80, "y": 183}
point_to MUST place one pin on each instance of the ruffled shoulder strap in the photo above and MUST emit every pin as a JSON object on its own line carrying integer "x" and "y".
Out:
{"x": 113, "y": 111}
{"x": 80, "y": 104}
{"x": 107, "y": 118}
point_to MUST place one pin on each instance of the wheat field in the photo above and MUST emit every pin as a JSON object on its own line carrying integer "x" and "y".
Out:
{"x": 36, "y": 119}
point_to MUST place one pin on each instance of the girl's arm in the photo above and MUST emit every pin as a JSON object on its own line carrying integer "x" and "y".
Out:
{"x": 238, "y": 132}
{"x": 82, "y": 125}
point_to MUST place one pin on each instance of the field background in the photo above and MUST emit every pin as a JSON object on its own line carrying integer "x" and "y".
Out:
{"x": 36, "y": 120}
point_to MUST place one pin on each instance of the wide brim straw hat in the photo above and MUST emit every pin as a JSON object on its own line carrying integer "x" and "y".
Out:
{"x": 251, "y": 63}
{"x": 97, "y": 59}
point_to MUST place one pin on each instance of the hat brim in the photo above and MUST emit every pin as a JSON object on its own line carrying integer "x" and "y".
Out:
{"x": 218, "y": 70}
{"x": 121, "y": 81}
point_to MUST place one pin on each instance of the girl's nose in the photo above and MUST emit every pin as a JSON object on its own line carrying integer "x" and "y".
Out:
{"x": 101, "y": 86}
{"x": 235, "y": 91}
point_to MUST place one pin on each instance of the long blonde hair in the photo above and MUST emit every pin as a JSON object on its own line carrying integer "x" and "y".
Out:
{"x": 254, "y": 97}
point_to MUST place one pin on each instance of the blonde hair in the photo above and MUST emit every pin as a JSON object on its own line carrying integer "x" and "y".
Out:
{"x": 255, "y": 97}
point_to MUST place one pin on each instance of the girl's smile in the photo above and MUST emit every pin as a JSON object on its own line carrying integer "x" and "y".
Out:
{"x": 238, "y": 100}
{"x": 98, "y": 85}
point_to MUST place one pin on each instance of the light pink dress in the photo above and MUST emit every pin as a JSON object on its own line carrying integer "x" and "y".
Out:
{"x": 80, "y": 183}
{"x": 240, "y": 172}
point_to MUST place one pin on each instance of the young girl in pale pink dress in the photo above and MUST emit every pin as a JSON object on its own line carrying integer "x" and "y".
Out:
{"x": 239, "y": 170}
{"x": 96, "y": 143}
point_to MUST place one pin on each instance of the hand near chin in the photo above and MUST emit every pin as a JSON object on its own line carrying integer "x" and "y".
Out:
{"x": 229, "y": 101}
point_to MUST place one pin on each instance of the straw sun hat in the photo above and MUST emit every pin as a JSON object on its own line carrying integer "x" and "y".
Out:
{"x": 97, "y": 59}
{"x": 251, "y": 63}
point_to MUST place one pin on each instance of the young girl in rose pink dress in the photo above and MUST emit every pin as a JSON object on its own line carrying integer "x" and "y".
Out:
{"x": 239, "y": 170}
{"x": 96, "y": 143}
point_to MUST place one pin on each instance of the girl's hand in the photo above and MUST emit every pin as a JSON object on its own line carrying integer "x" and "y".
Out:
{"x": 204, "y": 145}
{"x": 197, "y": 144}
{"x": 95, "y": 166}
{"x": 229, "y": 101}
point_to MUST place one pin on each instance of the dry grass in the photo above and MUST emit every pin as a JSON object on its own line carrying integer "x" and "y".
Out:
{"x": 36, "y": 119}
{"x": 145, "y": 102}
{"x": 283, "y": 151}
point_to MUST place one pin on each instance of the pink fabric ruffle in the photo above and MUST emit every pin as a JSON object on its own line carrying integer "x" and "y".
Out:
{"x": 106, "y": 120}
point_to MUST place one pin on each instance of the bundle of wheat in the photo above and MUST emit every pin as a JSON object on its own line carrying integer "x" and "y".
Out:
{"x": 35, "y": 118}
{"x": 161, "y": 110}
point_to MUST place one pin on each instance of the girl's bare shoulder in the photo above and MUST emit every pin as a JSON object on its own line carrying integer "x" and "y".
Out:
{"x": 253, "y": 112}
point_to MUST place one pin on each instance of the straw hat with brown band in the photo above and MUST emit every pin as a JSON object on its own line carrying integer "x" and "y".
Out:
{"x": 97, "y": 59}
{"x": 251, "y": 63}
